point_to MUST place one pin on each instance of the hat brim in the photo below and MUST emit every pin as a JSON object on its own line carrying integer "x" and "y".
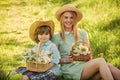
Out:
{"x": 69, "y": 7}
{"x": 37, "y": 24}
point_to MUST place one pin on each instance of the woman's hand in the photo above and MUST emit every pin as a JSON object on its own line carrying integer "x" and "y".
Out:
{"x": 68, "y": 59}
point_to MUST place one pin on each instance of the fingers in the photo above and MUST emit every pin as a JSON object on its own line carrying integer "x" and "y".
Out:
{"x": 69, "y": 59}
{"x": 69, "y": 56}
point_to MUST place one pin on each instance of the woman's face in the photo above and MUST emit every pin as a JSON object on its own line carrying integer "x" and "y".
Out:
{"x": 68, "y": 20}
{"x": 44, "y": 37}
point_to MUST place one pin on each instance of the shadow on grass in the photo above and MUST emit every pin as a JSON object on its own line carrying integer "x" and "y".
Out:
{"x": 113, "y": 24}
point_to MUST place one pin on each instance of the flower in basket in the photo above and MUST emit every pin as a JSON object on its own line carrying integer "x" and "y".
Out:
{"x": 45, "y": 57}
{"x": 78, "y": 49}
{"x": 29, "y": 55}
{"x": 44, "y": 60}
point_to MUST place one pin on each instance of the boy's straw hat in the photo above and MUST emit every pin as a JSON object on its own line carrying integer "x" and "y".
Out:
{"x": 40, "y": 23}
{"x": 69, "y": 7}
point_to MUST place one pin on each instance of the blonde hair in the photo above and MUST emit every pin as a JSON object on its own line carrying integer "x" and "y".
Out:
{"x": 74, "y": 28}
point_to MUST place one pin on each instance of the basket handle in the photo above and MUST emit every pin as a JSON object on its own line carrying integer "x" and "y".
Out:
{"x": 38, "y": 51}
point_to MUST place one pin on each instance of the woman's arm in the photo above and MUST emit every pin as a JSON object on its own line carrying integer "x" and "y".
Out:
{"x": 68, "y": 59}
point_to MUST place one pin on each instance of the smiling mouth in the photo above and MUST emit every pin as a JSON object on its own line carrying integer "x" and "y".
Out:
{"x": 43, "y": 39}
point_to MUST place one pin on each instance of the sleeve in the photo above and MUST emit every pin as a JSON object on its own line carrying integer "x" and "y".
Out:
{"x": 35, "y": 48}
{"x": 55, "y": 39}
{"x": 56, "y": 55}
{"x": 83, "y": 34}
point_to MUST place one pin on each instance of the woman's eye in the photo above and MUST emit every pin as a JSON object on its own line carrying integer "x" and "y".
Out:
{"x": 65, "y": 17}
{"x": 71, "y": 17}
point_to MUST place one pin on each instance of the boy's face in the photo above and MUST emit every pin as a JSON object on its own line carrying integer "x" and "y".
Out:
{"x": 44, "y": 37}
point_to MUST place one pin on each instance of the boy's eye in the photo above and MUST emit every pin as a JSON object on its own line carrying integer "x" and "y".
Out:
{"x": 43, "y": 33}
{"x": 65, "y": 17}
{"x": 40, "y": 33}
{"x": 46, "y": 33}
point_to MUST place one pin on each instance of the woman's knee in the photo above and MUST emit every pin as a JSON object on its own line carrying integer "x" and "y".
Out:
{"x": 101, "y": 61}
{"x": 110, "y": 65}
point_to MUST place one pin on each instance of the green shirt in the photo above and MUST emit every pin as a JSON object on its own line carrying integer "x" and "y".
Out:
{"x": 65, "y": 47}
{"x": 71, "y": 71}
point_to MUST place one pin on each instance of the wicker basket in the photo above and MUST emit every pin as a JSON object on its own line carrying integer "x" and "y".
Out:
{"x": 82, "y": 57}
{"x": 36, "y": 67}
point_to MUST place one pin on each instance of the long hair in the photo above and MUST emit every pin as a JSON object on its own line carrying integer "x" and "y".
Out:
{"x": 74, "y": 27}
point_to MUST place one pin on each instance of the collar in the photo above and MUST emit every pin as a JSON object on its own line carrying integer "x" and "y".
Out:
{"x": 47, "y": 43}
{"x": 66, "y": 32}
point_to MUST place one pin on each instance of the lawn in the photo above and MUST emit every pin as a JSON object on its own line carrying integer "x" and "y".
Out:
{"x": 101, "y": 20}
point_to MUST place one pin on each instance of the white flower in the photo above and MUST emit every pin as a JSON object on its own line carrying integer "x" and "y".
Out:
{"x": 44, "y": 57}
{"x": 47, "y": 59}
{"x": 83, "y": 49}
{"x": 42, "y": 60}
{"x": 76, "y": 52}
{"x": 29, "y": 55}
{"x": 78, "y": 49}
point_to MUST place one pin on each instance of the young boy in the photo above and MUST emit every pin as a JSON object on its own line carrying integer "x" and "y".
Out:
{"x": 41, "y": 32}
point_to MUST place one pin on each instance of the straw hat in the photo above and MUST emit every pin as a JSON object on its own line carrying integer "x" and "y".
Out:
{"x": 68, "y": 7}
{"x": 40, "y": 23}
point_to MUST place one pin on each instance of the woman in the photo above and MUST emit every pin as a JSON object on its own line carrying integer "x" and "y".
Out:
{"x": 95, "y": 69}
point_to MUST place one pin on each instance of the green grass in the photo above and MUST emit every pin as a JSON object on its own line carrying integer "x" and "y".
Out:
{"x": 101, "y": 19}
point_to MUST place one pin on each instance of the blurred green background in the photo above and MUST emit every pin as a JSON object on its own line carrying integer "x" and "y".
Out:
{"x": 101, "y": 20}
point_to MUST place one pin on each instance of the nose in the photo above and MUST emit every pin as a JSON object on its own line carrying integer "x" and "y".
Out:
{"x": 69, "y": 19}
{"x": 43, "y": 35}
